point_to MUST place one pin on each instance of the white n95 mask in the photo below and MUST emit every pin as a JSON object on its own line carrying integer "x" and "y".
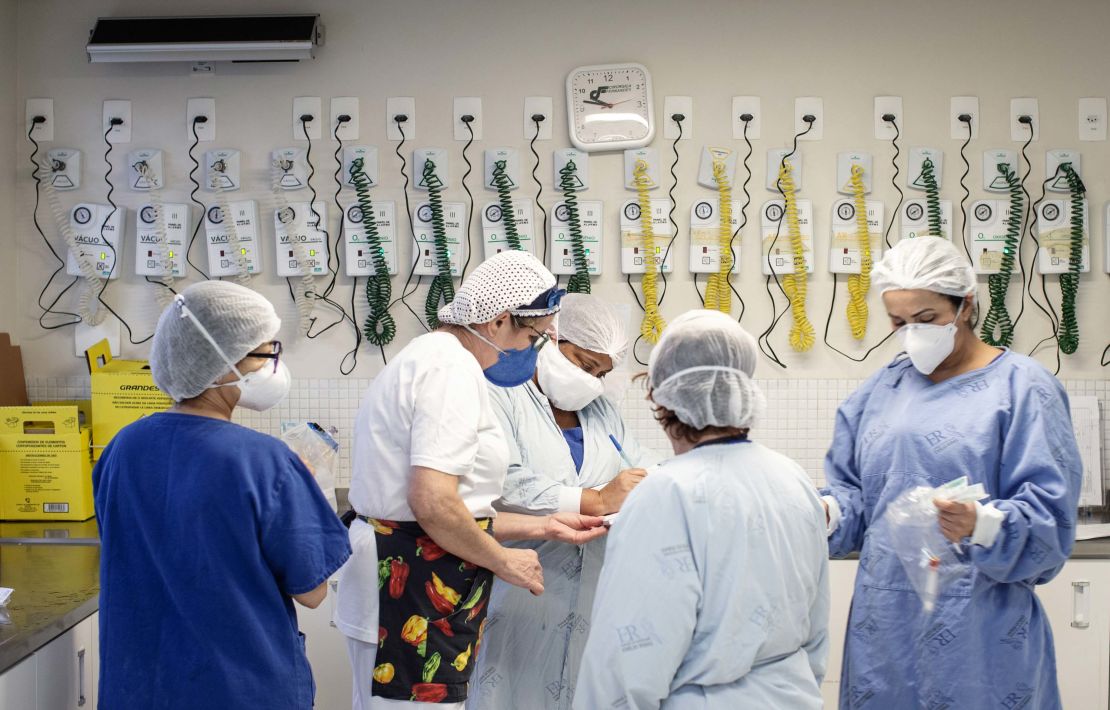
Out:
{"x": 262, "y": 389}
{"x": 567, "y": 386}
{"x": 928, "y": 345}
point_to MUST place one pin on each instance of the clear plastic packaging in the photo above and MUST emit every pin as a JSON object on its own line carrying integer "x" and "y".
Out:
{"x": 930, "y": 560}
{"x": 318, "y": 449}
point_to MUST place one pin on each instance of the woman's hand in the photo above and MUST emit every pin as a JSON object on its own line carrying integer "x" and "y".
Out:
{"x": 520, "y": 568}
{"x": 957, "y": 520}
{"x": 573, "y": 528}
{"x": 614, "y": 492}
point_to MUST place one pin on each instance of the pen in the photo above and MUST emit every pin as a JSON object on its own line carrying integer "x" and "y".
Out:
{"x": 624, "y": 456}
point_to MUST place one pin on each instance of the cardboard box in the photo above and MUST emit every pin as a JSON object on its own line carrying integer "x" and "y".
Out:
{"x": 13, "y": 390}
{"x": 122, "y": 392}
{"x": 45, "y": 464}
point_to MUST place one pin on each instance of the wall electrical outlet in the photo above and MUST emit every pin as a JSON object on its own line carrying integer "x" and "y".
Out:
{"x": 538, "y": 105}
{"x": 307, "y": 106}
{"x": 467, "y": 106}
{"x": 400, "y": 106}
{"x": 813, "y": 106}
{"x": 958, "y": 106}
{"x": 45, "y": 131}
{"x": 746, "y": 105}
{"x": 1092, "y": 119}
{"x": 344, "y": 106}
{"x": 204, "y": 131}
{"x": 122, "y": 132}
{"x": 1024, "y": 107}
{"x": 884, "y": 105}
{"x": 682, "y": 105}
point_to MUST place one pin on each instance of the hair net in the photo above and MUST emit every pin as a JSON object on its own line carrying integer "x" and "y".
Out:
{"x": 182, "y": 361}
{"x": 702, "y": 371}
{"x": 591, "y": 323}
{"x": 929, "y": 263}
{"x": 510, "y": 281}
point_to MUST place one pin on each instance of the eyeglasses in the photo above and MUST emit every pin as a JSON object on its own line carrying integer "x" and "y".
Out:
{"x": 539, "y": 341}
{"x": 275, "y": 355}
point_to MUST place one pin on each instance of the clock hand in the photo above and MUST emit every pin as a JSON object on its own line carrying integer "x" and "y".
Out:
{"x": 603, "y": 104}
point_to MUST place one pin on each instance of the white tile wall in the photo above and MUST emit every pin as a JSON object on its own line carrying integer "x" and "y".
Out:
{"x": 798, "y": 422}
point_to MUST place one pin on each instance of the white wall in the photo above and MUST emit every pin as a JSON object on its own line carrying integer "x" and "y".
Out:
{"x": 846, "y": 52}
{"x": 8, "y": 125}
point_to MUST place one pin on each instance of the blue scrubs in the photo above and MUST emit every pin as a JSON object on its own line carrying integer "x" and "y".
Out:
{"x": 988, "y": 644}
{"x": 207, "y": 529}
{"x": 577, "y": 446}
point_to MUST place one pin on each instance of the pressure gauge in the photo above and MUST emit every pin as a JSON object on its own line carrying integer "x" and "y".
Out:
{"x": 609, "y": 107}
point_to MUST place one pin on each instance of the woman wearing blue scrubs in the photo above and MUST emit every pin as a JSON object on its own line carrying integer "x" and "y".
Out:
{"x": 209, "y": 530}
{"x": 952, "y": 406}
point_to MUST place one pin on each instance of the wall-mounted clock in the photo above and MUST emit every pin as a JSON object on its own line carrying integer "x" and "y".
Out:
{"x": 609, "y": 107}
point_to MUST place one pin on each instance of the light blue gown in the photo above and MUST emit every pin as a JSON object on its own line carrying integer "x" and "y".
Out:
{"x": 714, "y": 594}
{"x": 532, "y": 646}
{"x": 988, "y": 643}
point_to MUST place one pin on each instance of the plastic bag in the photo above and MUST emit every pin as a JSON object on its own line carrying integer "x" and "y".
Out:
{"x": 318, "y": 449}
{"x": 930, "y": 560}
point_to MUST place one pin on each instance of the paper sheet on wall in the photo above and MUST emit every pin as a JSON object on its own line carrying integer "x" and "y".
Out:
{"x": 1085, "y": 422}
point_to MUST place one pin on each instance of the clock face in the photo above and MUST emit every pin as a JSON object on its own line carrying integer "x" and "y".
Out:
{"x": 610, "y": 107}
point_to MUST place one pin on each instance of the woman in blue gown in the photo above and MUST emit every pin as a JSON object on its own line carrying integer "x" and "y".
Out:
{"x": 952, "y": 406}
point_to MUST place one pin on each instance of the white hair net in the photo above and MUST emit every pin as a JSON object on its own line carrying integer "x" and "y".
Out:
{"x": 182, "y": 361}
{"x": 702, "y": 371}
{"x": 591, "y": 323}
{"x": 510, "y": 281}
{"x": 928, "y": 263}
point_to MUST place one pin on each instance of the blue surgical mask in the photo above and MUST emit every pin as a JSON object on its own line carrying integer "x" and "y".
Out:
{"x": 513, "y": 367}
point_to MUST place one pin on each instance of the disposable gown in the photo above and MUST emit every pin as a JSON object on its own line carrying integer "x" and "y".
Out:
{"x": 533, "y": 645}
{"x": 714, "y": 593}
{"x": 988, "y": 643}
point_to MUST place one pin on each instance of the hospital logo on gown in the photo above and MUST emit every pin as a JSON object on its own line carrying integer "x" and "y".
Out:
{"x": 675, "y": 560}
{"x": 634, "y": 637}
{"x": 859, "y": 695}
{"x": 943, "y": 438}
{"x": 939, "y": 637}
{"x": 1017, "y": 634}
{"x": 1019, "y": 697}
{"x": 866, "y": 628}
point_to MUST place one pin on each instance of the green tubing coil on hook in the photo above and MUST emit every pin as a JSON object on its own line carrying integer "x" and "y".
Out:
{"x": 442, "y": 289}
{"x": 508, "y": 219}
{"x": 379, "y": 327}
{"x": 998, "y": 328}
{"x": 932, "y": 197}
{"x": 1069, "y": 282}
{"x": 580, "y": 281}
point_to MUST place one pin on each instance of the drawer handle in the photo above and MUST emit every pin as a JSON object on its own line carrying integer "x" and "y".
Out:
{"x": 1081, "y": 605}
{"x": 334, "y": 584}
{"x": 81, "y": 678}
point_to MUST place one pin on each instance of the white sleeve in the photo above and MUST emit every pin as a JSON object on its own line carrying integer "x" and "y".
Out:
{"x": 447, "y": 409}
{"x": 988, "y": 523}
{"x": 834, "y": 513}
{"x": 638, "y": 641}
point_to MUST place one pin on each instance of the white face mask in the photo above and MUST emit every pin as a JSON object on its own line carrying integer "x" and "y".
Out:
{"x": 262, "y": 389}
{"x": 929, "y": 345}
{"x": 567, "y": 386}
